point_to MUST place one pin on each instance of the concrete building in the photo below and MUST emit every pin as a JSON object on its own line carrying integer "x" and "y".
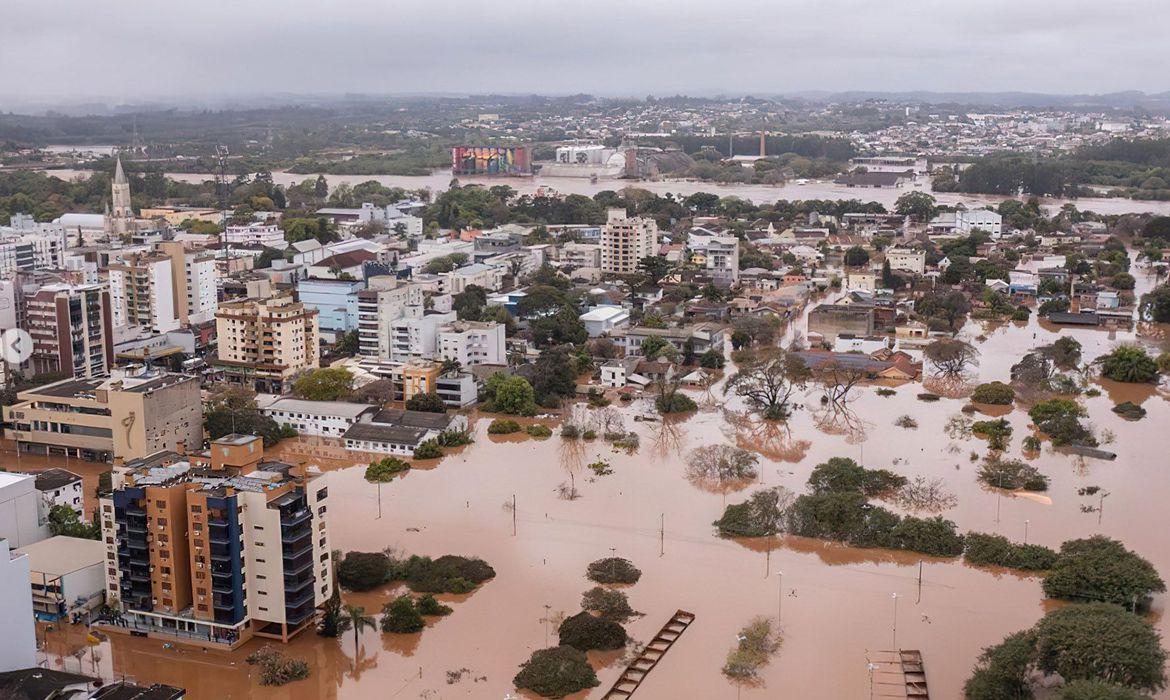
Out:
{"x": 131, "y": 414}
{"x": 601, "y": 320}
{"x": 18, "y": 644}
{"x": 67, "y": 575}
{"x": 490, "y": 277}
{"x": 317, "y": 418}
{"x": 965, "y": 221}
{"x": 264, "y": 343}
{"x": 58, "y": 487}
{"x": 907, "y": 260}
{"x": 397, "y": 432}
{"x": 194, "y": 275}
{"x": 417, "y": 337}
{"x": 20, "y": 522}
{"x": 27, "y": 245}
{"x": 832, "y": 320}
{"x": 457, "y": 390}
{"x": 72, "y": 330}
{"x": 717, "y": 255}
{"x": 143, "y": 292}
{"x": 336, "y": 303}
{"x": 267, "y": 235}
{"x": 386, "y": 301}
{"x": 578, "y": 255}
{"x": 218, "y": 547}
{"x": 703, "y": 336}
{"x": 396, "y": 218}
{"x": 472, "y": 343}
{"x": 625, "y": 241}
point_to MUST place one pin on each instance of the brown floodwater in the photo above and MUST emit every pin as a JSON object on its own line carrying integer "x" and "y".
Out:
{"x": 835, "y": 602}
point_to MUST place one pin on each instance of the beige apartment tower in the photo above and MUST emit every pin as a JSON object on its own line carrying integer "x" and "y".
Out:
{"x": 265, "y": 343}
{"x": 625, "y": 241}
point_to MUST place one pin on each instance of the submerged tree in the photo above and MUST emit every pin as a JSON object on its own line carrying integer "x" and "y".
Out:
{"x": 951, "y": 356}
{"x": 768, "y": 380}
{"x": 721, "y": 465}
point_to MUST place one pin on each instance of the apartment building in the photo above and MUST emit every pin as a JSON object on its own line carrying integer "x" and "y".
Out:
{"x": 18, "y": 644}
{"x": 417, "y": 338}
{"x": 267, "y": 235}
{"x": 472, "y": 343}
{"x": 907, "y": 260}
{"x": 578, "y": 255}
{"x": 194, "y": 276}
{"x": 336, "y": 303}
{"x": 717, "y": 255}
{"x": 131, "y": 414}
{"x": 217, "y": 547}
{"x": 20, "y": 503}
{"x": 264, "y": 343}
{"x": 143, "y": 292}
{"x": 27, "y": 245}
{"x": 385, "y": 301}
{"x": 71, "y": 328}
{"x": 625, "y": 241}
{"x": 489, "y": 277}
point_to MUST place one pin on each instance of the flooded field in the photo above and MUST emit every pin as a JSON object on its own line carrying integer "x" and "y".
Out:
{"x": 821, "y": 189}
{"x": 835, "y": 602}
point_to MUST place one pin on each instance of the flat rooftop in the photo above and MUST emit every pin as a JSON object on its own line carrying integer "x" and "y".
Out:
{"x": 62, "y": 555}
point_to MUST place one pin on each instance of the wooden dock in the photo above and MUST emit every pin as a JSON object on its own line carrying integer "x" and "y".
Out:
{"x": 653, "y": 652}
{"x": 899, "y": 674}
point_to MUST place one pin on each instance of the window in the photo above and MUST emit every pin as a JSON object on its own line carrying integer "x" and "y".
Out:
{"x": 259, "y": 561}
{"x": 325, "y": 556}
{"x": 258, "y": 527}
{"x": 322, "y": 493}
{"x": 263, "y": 609}
{"x": 261, "y": 576}
{"x": 196, "y": 509}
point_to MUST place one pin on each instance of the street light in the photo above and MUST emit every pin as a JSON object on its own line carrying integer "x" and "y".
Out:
{"x": 895, "y": 597}
{"x": 779, "y": 598}
{"x": 871, "y": 667}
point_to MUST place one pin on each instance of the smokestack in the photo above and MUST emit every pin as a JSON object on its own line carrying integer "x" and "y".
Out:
{"x": 763, "y": 144}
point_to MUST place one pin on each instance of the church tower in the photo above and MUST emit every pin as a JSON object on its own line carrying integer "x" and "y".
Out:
{"x": 121, "y": 217}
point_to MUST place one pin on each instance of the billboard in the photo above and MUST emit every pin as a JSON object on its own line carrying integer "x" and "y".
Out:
{"x": 491, "y": 160}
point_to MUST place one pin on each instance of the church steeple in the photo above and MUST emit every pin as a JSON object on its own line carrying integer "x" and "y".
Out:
{"x": 121, "y": 218}
{"x": 119, "y": 174}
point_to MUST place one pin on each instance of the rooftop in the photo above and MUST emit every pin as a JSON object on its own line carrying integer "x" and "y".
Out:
{"x": 345, "y": 409}
{"x": 62, "y": 555}
{"x": 52, "y": 479}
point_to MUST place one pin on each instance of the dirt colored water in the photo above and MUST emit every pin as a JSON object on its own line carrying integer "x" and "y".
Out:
{"x": 836, "y": 603}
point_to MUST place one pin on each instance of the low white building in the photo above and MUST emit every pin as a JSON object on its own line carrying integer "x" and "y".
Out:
{"x": 457, "y": 390}
{"x": 965, "y": 221}
{"x": 18, "y": 644}
{"x": 489, "y": 277}
{"x": 58, "y": 487}
{"x": 20, "y": 522}
{"x": 601, "y": 320}
{"x": 317, "y": 418}
{"x": 907, "y": 260}
{"x": 398, "y": 432}
{"x": 67, "y": 575}
{"x": 267, "y": 235}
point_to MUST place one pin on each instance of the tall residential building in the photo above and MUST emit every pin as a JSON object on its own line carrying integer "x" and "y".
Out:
{"x": 143, "y": 292}
{"x": 264, "y": 343}
{"x": 417, "y": 338}
{"x": 20, "y": 510}
{"x": 129, "y": 415}
{"x": 120, "y": 220}
{"x": 193, "y": 276}
{"x": 378, "y": 307}
{"x": 71, "y": 328}
{"x": 336, "y": 302}
{"x": 625, "y": 241}
{"x": 267, "y": 235}
{"x": 28, "y": 245}
{"x": 218, "y": 547}
{"x": 473, "y": 343}
{"x": 718, "y": 255}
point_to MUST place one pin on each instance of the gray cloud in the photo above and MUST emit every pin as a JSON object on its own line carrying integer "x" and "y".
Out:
{"x": 129, "y": 49}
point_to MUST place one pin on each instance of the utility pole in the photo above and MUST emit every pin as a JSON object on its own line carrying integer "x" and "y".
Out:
{"x": 662, "y": 535}
{"x": 919, "y": 580}
{"x": 513, "y": 515}
{"x": 779, "y": 598}
{"x": 895, "y": 627}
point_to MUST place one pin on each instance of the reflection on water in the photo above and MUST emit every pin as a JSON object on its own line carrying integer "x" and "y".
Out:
{"x": 836, "y": 599}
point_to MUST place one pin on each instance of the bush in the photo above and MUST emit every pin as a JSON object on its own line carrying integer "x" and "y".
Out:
{"x": 842, "y": 516}
{"x": 428, "y": 450}
{"x": 1130, "y": 411}
{"x": 906, "y": 422}
{"x": 998, "y": 432}
{"x": 1099, "y": 641}
{"x": 1002, "y": 670}
{"x": 613, "y": 570}
{"x": 503, "y": 426}
{"x": 589, "y": 435}
{"x": 570, "y": 431}
{"x": 762, "y": 515}
{"x": 539, "y": 431}
{"x": 984, "y": 549}
{"x": 427, "y": 402}
{"x": 399, "y": 616}
{"x": 556, "y": 672}
{"x": 585, "y": 632}
{"x": 712, "y": 359}
{"x": 843, "y": 474}
{"x": 1097, "y": 690}
{"x": 675, "y": 402}
{"x": 1012, "y": 475}
{"x": 935, "y": 536}
{"x": 757, "y": 643}
{"x": 385, "y": 469}
{"x": 363, "y": 571}
{"x": 276, "y": 668}
{"x": 994, "y": 393}
{"x": 427, "y": 605}
{"x": 1130, "y": 364}
{"x": 447, "y": 574}
{"x": 1102, "y": 569}
{"x": 609, "y": 605}
{"x": 454, "y": 438}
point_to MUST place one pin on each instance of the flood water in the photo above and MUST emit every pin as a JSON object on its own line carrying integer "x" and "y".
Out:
{"x": 835, "y": 602}
{"x": 439, "y": 180}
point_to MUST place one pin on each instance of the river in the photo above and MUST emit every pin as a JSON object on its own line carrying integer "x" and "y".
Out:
{"x": 821, "y": 189}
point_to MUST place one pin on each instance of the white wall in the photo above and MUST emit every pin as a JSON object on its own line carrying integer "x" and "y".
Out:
{"x": 19, "y": 500}
{"x": 18, "y": 644}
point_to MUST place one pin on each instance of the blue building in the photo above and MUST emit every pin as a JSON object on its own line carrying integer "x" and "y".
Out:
{"x": 335, "y": 300}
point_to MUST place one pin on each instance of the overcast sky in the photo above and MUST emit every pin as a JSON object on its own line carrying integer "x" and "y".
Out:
{"x": 120, "y": 50}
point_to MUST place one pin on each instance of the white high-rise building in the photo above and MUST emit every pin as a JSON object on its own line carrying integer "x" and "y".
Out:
{"x": 473, "y": 343}
{"x": 625, "y": 241}
{"x": 18, "y": 644}
{"x": 143, "y": 292}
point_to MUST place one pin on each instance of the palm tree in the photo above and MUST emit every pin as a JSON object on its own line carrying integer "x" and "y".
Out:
{"x": 450, "y": 366}
{"x": 355, "y": 618}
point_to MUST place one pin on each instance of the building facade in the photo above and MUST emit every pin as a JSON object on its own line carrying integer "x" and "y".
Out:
{"x": 217, "y": 548}
{"x": 267, "y": 235}
{"x": 472, "y": 343}
{"x": 143, "y": 292}
{"x": 18, "y": 644}
{"x": 264, "y": 343}
{"x": 625, "y": 241}
{"x": 72, "y": 330}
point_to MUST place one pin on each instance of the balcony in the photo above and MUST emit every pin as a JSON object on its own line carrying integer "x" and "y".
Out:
{"x": 305, "y": 596}
{"x": 291, "y": 537}
{"x": 288, "y": 520}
